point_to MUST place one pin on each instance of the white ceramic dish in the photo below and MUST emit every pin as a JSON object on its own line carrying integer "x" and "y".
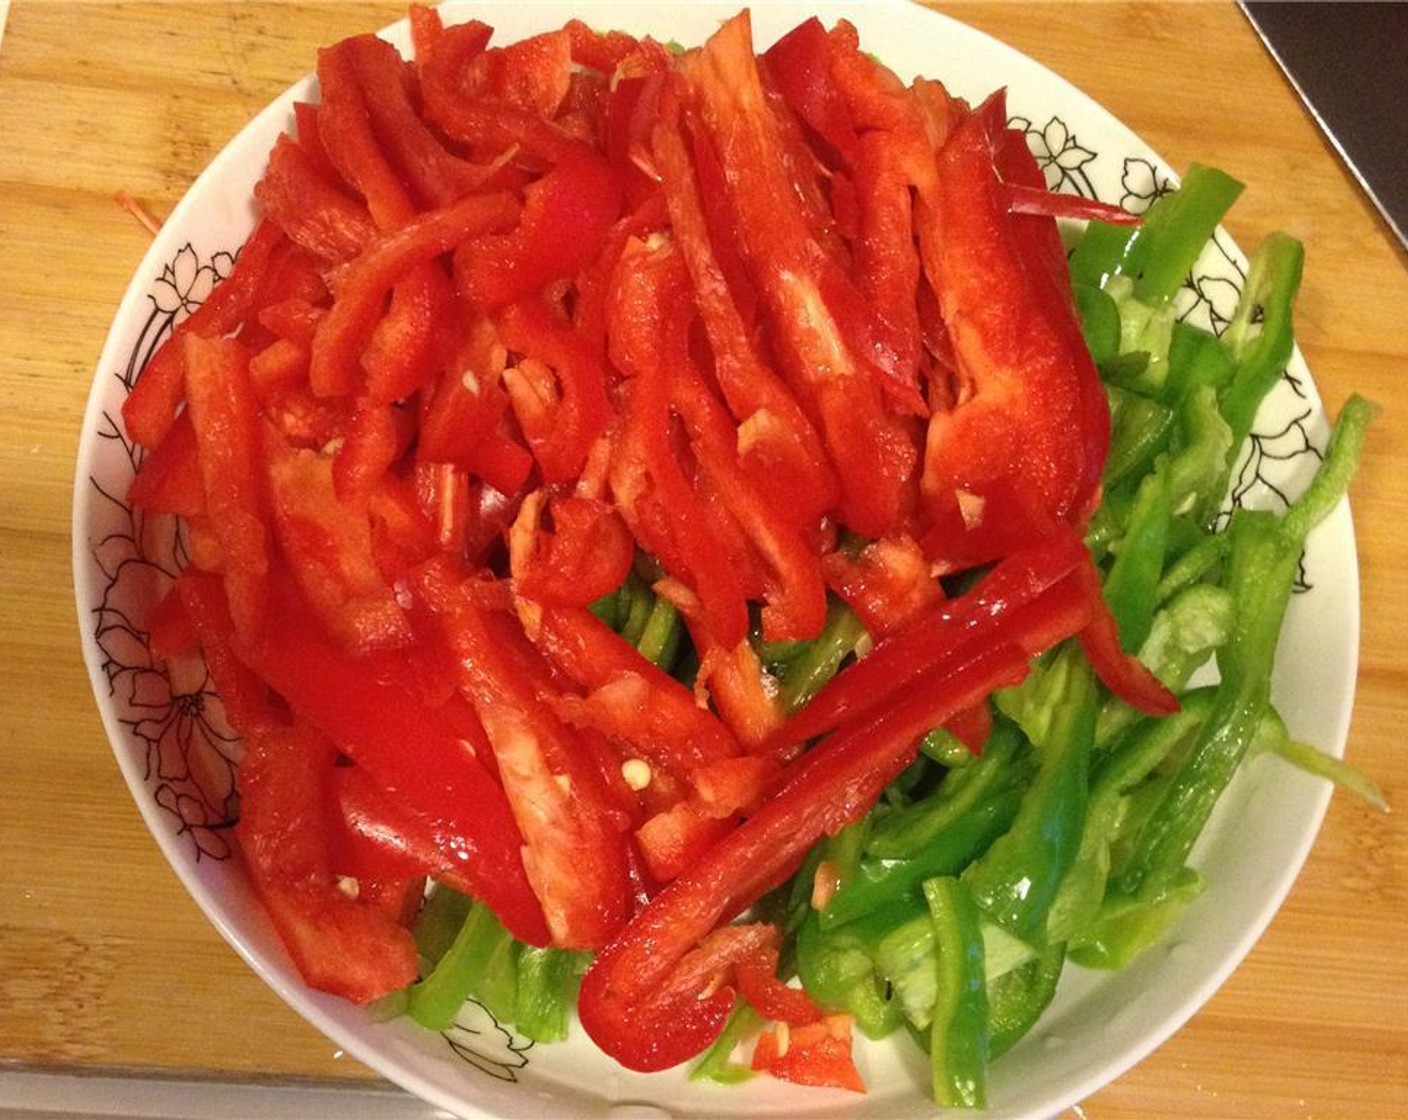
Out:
{"x": 169, "y": 738}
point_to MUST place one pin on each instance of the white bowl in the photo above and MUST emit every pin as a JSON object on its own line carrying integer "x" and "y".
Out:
{"x": 170, "y": 739}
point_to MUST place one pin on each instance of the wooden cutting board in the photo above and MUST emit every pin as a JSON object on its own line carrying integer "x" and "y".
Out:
{"x": 106, "y": 964}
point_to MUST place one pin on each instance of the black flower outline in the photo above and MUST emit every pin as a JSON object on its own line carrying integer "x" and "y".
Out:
{"x": 1061, "y": 157}
{"x": 172, "y": 714}
{"x": 480, "y": 1040}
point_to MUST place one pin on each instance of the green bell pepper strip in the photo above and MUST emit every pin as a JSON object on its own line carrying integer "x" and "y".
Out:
{"x": 811, "y": 666}
{"x": 1176, "y": 229}
{"x": 1259, "y": 336}
{"x": 660, "y": 637}
{"x": 439, "y": 922}
{"x": 958, "y": 1032}
{"x": 1196, "y": 359}
{"x": 1017, "y": 998}
{"x": 1161, "y": 251}
{"x": 1140, "y": 429}
{"x": 908, "y": 832}
{"x": 546, "y": 991}
{"x": 1126, "y": 927}
{"x": 1124, "y": 765}
{"x": 716, "y": 1063}
{"x": 1261, "y": 570}
{"x": 881, "y": 882}
{"x": 1016, "y": 880}
{"x": 482, "y": 962}
{"x": 1131, "y": 585}
{"x": 838, "y": 966}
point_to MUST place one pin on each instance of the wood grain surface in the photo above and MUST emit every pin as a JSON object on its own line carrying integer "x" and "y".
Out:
{"x": 105, "y": 963}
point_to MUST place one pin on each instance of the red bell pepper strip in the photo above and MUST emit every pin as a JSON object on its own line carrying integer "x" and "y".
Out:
{"x": 798, "y": 284}
{"x": 795, "y": 595}
{"x": 225, "y": 415}
{"x": 533, "y": 74}
{"x": 659, "y": 709}
{"x": 313, "y": 211}
{"x": 1041, "y": 201}
{"x": 327, "y": 544}
{"x": 587, "y": 553}
{"x": 1030, "y": 413}
{"x": 566, "y": 217}
{"x": 888, "y": 583}
{"x": 563, "y": 407}
{"x": 649, "y": 486}
{"x": 345, "y": 128}
{"x": 150, "y": 408}
{"x": 777, "y": 440}
{"x": 770, "y": 997}
{"x": 436, "y": 176}
{"x": 388, "y": 712}
{"x": 574, "y": 848}
{"x": 168, "y": 477}
{"x": 602, "y": 51}
{"x": 380, "y": 836}
{"x": 339, "y": 945}
{"x": 413, "y": 340}
{"x": 816, "y": 1053}
{"x": 375, "y": 437}
{"x": 631, "y": 1002}
{"x": 343, "y": 333}
{"x": 1121, "y": 672}
{"x": 244, "y": 696}
{"x": 901, "y": 658}
{"x": 453, "y": 101}
{"x": 800, "y": 66}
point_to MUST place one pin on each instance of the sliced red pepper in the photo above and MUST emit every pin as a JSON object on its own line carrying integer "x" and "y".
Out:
{"x": 657, "y": 710}
{"x": 674, "y": 838}
{"x": 381, "y": 837}
{"x": 602, "y": 51}
{"x": 344, "y": 332}
{"x": 436, "y": 176}
{"x": 355, "y": 951}
{"x": 1030, "y": 413}
{"x": 168, "y": 477}
{"x": 1044, "y": 202}
{"x": 896, "y": 662}
{"x": 412, "y": 341}
{"x": 566, "y": 217}
{"x": 243, "y": 694}
{"x": 586, "y": 554}
{"x": 312, "y": 210}
{"x": 225, "y": 415}
{"x": 388, "y": 712}
{"x": 888, "y": 583}
{"x": 817, "y": 1053}
{"x": 800, "y": 66}
{"x": 795, "y": 607}
{"x": 455, "y": 101}
{"x": 328, "y": 546}
{"x": 532, "y": 74}
{"x": 170, "y": 631}
{"x": 345, "y": 128}
{"x": 799, "y": 285}
{"x": 558, "y": 392}
{"x": 149, "y": 409}
{"x": 649, "y": 486}
{"x": 1121, "y": 672}
{"x": 758, "y": 983}
{"x": 776, "y": 439}
{"x": 575, "y": 851}
{"x": 633, "y": 1002}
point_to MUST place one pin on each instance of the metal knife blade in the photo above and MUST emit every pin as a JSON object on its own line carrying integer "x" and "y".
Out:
{"x": 1349, "y": 63}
